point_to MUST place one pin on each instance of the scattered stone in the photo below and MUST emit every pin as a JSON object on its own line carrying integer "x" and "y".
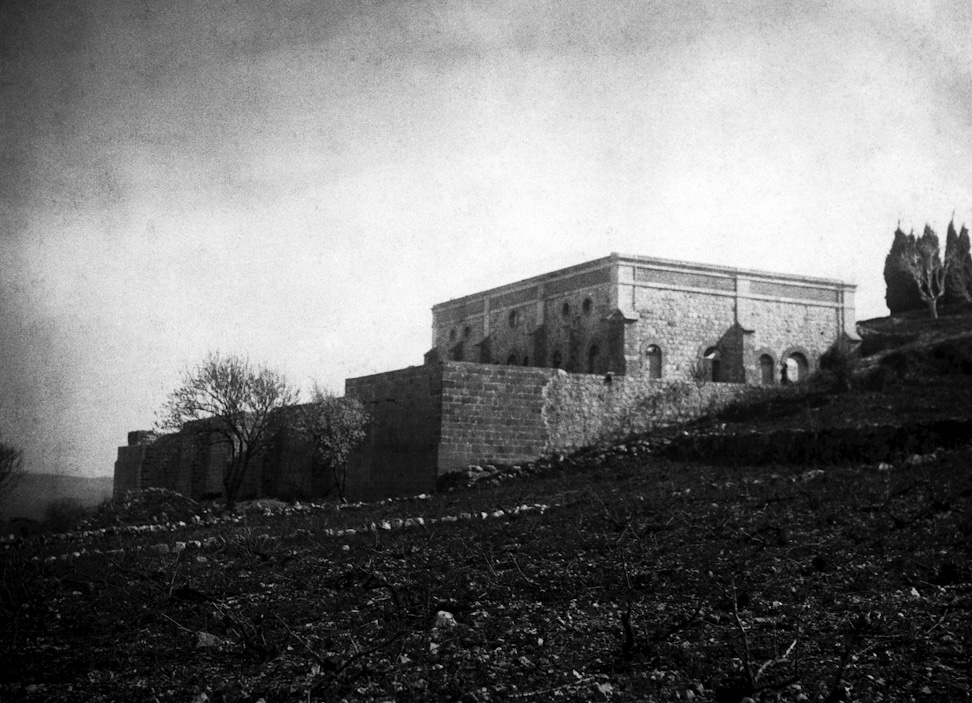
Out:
{"x": 444, "y": 619}
{"x": 205, "y": 640}
{"x": 161, "y": 548}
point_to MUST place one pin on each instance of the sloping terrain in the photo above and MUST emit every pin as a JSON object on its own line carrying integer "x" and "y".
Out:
{"x": 618, "y": 574}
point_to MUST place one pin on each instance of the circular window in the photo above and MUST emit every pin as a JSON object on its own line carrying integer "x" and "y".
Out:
{"x": 514, "y": 318}
{"x": 565, "y": 310}
{"x": 587, "y": 305}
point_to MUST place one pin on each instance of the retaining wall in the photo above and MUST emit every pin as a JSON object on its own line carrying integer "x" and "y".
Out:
{"x": 443, "y": 417}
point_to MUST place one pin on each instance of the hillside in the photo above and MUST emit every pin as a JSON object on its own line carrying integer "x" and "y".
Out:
{"x": 34, "y": 492}
{"x": 618, "y": 574}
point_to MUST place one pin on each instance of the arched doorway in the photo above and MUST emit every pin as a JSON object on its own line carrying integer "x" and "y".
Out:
{"x": 796, "y": 368}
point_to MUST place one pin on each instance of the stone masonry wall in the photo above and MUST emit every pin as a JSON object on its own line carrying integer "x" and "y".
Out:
{"x": 682, "y": 324}
{"x": 430, "y": 420}
{"x": 502, "y": 414}
{"x": 781, "y": 327}
{"x": 400, "y": 452}
{"x": 491, "y": 414}
{"x": 583, "y": 409}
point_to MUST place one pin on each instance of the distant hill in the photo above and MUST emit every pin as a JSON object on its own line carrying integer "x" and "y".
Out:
{"x": 34, "y": 492}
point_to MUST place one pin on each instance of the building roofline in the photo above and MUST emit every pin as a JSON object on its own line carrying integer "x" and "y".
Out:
{"x": 532, "y": 281}
{"x": 615, "y": 258}
{"x": 718, "y": 268}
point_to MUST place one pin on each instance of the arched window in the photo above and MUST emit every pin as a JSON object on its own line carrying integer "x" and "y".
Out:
{"x": 587, "y": 305}
{"x": 511, "y": 359}
{"x": 565, "y": 309}
{"x": 452, "y": 335}
{"x": 558, "y": 360}
{"x": 711, "y": 363}
{"x": 526, "y": 360}
{"x": 592, "y": 359}
{"x": 514, "y": 318}
{"x": 467, "y": 332}
{"x": 796, "y": 368}
{"x": 766, "y": 369}
{"x": 653, "y": 362}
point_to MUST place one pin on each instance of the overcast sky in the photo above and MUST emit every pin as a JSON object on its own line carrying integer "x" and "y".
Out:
{"x": 301, "y": 181}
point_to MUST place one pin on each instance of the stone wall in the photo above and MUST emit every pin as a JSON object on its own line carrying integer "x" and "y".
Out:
{"x": 491, "y": 414}
{"x": 682, "y": 324}
{"x": 487, "y": 413}
{"x": 399, "y": 455}
{"x": 583, "y": 409}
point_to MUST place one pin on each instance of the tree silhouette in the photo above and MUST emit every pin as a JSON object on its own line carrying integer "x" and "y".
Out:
{"x": 902, "y": 291}
{"x": 921, "y": 259}
{"x": 236, "y": 400}
{"x": 958, "y": 278}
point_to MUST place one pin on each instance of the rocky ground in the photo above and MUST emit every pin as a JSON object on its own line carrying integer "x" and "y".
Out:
{"x": 617, "y": 574}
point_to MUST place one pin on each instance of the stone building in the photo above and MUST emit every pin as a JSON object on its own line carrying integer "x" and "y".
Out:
{"x": 544, "y": 365}
{"x": 634, "y": 315}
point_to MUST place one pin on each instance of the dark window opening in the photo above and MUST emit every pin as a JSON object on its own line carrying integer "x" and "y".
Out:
{"x": 711, "y": 360}
{"x": 653, "y": 362}
{"x": 565, "y": 310}
{"x": 766, "y": 370}
{"x": 513, "y": 318}
{"x": 511, "y": 360}
{"x": 558, "y": 360}
{"x": 592, "y": 358}
{"x": 587, "y": 305}
{"x": 452, "y": 335}
{"x": 467, "y": 331}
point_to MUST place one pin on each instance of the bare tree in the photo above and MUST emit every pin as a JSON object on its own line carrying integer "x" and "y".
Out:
{"x": 334, "y": 427}
{"x": 237, "y": 401}
{"x": 11, "y": 466}
{"x": 921, "y": 259}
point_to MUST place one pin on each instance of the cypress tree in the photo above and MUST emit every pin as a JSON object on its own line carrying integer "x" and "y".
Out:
{"x": 958, "y": 278}
{"x": 902, "y": 290}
